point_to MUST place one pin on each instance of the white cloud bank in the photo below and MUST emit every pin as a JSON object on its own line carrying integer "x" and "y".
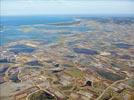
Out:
{"x": 55, "y": 7}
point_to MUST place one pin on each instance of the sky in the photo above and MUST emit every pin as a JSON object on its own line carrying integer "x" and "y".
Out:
{"x": 67, "y": 7}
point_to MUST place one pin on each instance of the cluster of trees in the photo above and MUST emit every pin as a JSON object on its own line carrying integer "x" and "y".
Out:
{"x": 41, "y": 95}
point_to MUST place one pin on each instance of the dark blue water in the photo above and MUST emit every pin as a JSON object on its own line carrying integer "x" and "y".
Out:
{"x": 30, "y": 20}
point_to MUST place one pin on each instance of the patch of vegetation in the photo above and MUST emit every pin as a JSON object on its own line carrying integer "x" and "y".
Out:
{"x": 69, "y": 87}
{"x": 76, "y": 73}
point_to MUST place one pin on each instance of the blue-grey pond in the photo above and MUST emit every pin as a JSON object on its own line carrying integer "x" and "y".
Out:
{"x": 85, "y": 51}
{"x": 21, "y": 49}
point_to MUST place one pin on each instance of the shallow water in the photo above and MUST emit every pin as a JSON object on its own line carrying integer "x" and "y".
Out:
{"x": 123, "y": 45}
{"x": 85, "y": 51}
{"x": 34, "y": 63}
{"x": 21, "y": 49}
{"x": 110, "y": 76}
{"x": 3, "y": 70}
{"x": 13, "y": 74}
{"x": 4, "y": 61}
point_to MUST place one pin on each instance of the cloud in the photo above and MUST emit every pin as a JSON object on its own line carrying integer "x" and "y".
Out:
{"x": 43, "y": 7}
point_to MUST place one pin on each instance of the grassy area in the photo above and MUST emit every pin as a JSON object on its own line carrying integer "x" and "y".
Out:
{"x": 76, "y": 73}
{"x": 69, "y": 87}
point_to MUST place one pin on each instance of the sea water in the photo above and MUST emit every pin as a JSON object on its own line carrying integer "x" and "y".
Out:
{"x": 16, "y": 28}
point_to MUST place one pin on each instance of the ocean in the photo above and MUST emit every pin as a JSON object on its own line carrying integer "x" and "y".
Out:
{"x": 36, "y": 28}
